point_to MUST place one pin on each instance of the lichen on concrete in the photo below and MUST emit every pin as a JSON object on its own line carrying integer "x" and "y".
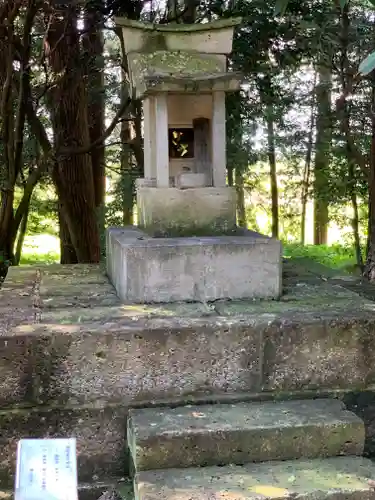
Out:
{"x": 82, "y": 352}
{"x": 195, "y": 436}
{"x": 218, "y": 24}
{"x": 156, "y": 62}
{"x": 337, "y": 478}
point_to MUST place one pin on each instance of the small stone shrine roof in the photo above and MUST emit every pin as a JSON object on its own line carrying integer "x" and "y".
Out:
{"x": 179, "y": 57}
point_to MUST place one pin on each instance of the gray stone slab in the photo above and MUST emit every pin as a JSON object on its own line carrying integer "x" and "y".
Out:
{"x": 193, "y": 269}
{"x": 110, "y": 489}
{"x": 194, "y": 436}
{"x": 50, "y": 288}
{"x": 78, "y": 300}
{"x": 341, "y": 478}
{"x": 178, "y": 358}
{"x": 85, "y": 346}
{"x": 17, "y": 273}
{"x": 131, "y": 311}
{"x": 131, "y": 360}
{"x": 325, "y": 350}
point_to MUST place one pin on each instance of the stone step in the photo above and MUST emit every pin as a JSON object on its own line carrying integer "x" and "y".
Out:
{"x": 340, "y": 478}
{"x": 192, "y": 436}
{"x": 111, "y": 489}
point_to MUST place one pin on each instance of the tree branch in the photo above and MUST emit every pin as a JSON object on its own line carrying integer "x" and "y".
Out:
{"x": 24, "y": 83}
{"x": 100, "y": 140}
{"x": 23, "y": 206}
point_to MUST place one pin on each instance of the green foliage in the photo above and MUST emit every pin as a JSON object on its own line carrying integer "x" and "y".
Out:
{"x": 41, "y": 249}
{"x": 277, "y": 55}
{"x": 335, "y": 256}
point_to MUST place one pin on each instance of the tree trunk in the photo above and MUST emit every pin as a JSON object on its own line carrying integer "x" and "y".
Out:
{"x": 190, "y": 11}
{"x": 67, "y": 252}
{"x": 370, "y": 261}
{"x": 355, "y": 227}
{"x": 21, "y": 239}
{"x": 322, "y": 153}
{"x": 230, "y": 175}
{"x": 307, "y": 169}
{"x": 241, "y": 209}
{"x": 127, "y": 181}
{"x": 73, "y": 173}
{"x": 14, "y": 96}
{"x": 94, "y": 45}
{"x": 128, "y": 175}
{"x": 172, "y": 10}
{"x": 271, "y": 152}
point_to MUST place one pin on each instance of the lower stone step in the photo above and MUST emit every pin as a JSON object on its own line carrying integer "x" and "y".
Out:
{"x": 163, "y": 438}
{"x": 340, "y": 478}
{"x": 106, "y": 490}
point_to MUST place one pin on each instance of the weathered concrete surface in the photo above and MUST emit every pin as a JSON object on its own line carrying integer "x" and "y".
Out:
{"x": 362, "y": 403}
{"x": 76, "y": 367}
{"x": 100, "y": 433}
{"x": 341, "y": 478}
{"x": 195, "y": 436}
{"x": 106, "y": 490}
{"x": 149, "y": 270}
{"x": 142, "y": 359}
{"x": 185, "y": 210}
{"x": 65, "y": 338}
{"x": 130, "y": 360}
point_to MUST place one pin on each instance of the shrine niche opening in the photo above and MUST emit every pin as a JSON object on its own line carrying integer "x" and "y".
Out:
{"x": 181, "y": 142}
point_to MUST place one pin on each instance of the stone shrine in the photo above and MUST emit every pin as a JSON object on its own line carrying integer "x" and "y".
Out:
{"x": 239, "y": 399}
{"x": 187, "y": 245}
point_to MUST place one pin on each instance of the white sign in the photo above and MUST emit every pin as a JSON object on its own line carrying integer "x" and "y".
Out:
{"x": 46, "y": 469}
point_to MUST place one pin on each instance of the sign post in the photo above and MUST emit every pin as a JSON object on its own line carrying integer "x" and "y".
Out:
{"x": 46, "y": 469}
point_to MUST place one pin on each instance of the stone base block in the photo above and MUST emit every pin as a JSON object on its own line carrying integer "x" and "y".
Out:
{"x": 145, "y": 269}
{"x": 186, "y": 211}
{"x": 339, "y": 478}
{"x": 206, "y": 435}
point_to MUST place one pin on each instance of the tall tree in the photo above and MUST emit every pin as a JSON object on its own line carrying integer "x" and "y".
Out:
{"x": 73, "y": 172}
{"x": 267, "y": 97}
{"x": 322, "y": 151}
{"x": 15, "y": 102}
{"x": 93, "y": 44}
{"x": 307, "y": 165}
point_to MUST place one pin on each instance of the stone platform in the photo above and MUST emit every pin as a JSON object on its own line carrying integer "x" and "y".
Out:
{"x": 339, "y": 478}
{"x": 74, "y": 359}
{"x": 145, "y": 269}
{"x": 210, "y": 435}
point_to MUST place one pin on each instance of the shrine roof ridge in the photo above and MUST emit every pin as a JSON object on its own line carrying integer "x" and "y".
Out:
{"x": 181, "y": 28}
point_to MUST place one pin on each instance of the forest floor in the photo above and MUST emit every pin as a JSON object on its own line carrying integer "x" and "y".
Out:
{"x": 44, "y": 248}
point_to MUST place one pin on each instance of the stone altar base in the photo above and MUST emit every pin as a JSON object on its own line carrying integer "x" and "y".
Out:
{"x": 74, "y": 360}
{"x": 181, "y": 211}
{"x": 161, "y": 270}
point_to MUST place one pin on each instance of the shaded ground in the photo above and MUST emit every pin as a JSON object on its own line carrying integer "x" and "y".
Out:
{"x": 79, "y": 294}
{"x": 363, "y": 404}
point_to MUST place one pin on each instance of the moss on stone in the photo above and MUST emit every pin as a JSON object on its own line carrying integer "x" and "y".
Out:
{"x": 156, "y": 60}
{"x": 154, "y": 41}
{"x": 180, "y": 28}
{"x": 186, "y": 231}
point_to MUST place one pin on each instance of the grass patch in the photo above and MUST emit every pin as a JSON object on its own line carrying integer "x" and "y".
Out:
{"x": 40, "y": 249}
{"x": 335, "y": 256}
{"x": 45, "y": 249}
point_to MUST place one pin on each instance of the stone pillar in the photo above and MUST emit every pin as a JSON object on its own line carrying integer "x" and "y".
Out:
{"x": 218, "y": 139}
{"x": 202, "y": 162}
{"x": 161, "y": 135}
{"x": 149, "y": 137}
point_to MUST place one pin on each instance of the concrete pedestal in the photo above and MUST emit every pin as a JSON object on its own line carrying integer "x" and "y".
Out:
{"x": 146, "y": 270}
{"x": 184, "y": 211}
